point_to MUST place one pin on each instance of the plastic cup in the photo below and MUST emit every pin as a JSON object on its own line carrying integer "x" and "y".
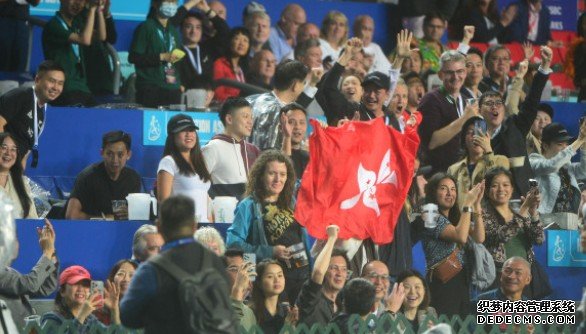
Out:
{"x": 430, "y": 213}
{"x": 120, "y": 209}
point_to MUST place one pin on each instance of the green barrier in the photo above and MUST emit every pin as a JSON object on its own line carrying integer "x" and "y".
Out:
{"x": 384, "y": 324}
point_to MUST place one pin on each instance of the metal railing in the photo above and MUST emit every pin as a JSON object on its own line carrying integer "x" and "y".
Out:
{"x": 372, "y": 324}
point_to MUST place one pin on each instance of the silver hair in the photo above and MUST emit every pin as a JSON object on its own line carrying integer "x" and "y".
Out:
{"x": 209, "y": 234}
{"x": 138, "y": 242}
{"x": 249, "y": 19}
{"x": 451, "y": 56}
{"x": 519, "y": 259}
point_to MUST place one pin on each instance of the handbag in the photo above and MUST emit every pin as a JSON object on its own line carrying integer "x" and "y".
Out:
{"x": 447, "y": 268}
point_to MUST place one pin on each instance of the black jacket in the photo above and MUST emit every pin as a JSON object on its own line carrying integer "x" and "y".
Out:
{"x": 510, "y": 141}
{"x": 210, "y": 50}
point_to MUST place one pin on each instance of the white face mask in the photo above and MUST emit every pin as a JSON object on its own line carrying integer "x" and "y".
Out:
{"x": 168, "y": 9}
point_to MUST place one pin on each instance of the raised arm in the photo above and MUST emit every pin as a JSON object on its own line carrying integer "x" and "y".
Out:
{"x": 528, "y": 110}
{"x": 85, "y": 38}
{"x": 101, "y": 22}
{"x": 460, "y": 233}
{"x": 516, "y": 89}
{"x": 322, "y": 261}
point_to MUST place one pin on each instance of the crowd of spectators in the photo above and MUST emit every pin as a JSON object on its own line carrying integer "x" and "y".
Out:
{"x": 485, "y": 136}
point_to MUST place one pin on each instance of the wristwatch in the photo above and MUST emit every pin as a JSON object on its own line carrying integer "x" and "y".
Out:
{"x": 467, "y": 209}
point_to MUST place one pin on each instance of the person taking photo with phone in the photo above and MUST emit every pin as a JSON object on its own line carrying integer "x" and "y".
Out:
{"x": 556, "y": 174}
{"x": 477, "y": 156}
{"x": 75, "y": 301}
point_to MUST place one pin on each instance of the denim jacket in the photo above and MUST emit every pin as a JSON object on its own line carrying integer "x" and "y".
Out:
{"x": 247, "y": 231}
{"x": 547, "y": 174}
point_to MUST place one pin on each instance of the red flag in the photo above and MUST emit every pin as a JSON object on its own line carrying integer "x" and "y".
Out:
{"x": 357, "y": 178}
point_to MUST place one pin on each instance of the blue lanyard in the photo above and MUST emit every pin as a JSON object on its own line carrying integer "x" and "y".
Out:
{"x": 74, "y": 46}
{"x": 177, "y": 242}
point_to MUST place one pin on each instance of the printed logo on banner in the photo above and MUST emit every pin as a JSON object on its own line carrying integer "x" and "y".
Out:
{"x": 155, "y": 126}
{"x": 154, "y": 129}
{"x": 563, "y": 249}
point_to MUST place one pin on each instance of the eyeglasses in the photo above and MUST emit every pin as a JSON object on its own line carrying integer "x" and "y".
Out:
{"x": 452, "y": 73}
{"x": 490, "y": 104}
{"x": 375, "y": 276}
{"x": 11, "y": 149}
{"x": 342, "y": 270}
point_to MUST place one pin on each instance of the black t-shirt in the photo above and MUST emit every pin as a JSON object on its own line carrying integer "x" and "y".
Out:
{"x": 96, "y": 191}
{"x": 300, "y": 160}
{"x": 17, "y": 108}
{"x": 281, "y": 228}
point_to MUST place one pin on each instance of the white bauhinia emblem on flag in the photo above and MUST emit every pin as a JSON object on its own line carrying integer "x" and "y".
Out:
{"x": 367, "y": 182}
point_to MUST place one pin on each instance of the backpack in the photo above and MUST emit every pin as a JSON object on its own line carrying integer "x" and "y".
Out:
{"x": 204, "y": 302}
{"x": 483, "y": 271}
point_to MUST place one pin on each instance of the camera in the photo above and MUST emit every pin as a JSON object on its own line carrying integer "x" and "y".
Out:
{"x": 582, "y": 119}
{"x": 533, "y": 183}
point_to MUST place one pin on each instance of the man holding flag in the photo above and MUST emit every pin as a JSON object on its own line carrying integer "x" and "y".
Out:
{"x": 364, "y": 194}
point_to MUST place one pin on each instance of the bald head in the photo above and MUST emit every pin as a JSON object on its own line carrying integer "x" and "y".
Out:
{"x": 363, "y": 28}
{"x": 219, "y": 8}
{"x": 306, "y": 32}
{"x": 291, "y": 18}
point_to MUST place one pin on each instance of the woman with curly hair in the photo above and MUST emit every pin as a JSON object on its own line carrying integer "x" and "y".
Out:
{"x": 264, "y": 223}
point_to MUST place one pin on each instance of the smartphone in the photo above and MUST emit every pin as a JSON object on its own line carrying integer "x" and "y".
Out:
{"x": 251, "y": 258}
{"x": 97, "y": 287}
{"x": 471, "y": 101}
{"x": 480, "y": 127}
{"x": 533, "y": 183}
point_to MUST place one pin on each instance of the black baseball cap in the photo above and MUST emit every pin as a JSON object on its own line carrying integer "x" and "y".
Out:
{"x": 377, "y": 78}
{"x": 556, "y": 133}
{"x": 179, "y": 123}
{"x": 546, "y": 108}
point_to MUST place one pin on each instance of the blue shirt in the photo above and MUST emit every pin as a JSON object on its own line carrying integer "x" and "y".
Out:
{"x": 143, "y": 288}
{"x": 278, "y": 43}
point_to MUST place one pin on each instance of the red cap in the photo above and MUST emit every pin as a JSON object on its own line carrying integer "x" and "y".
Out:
{"x": 74, "y": 274}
